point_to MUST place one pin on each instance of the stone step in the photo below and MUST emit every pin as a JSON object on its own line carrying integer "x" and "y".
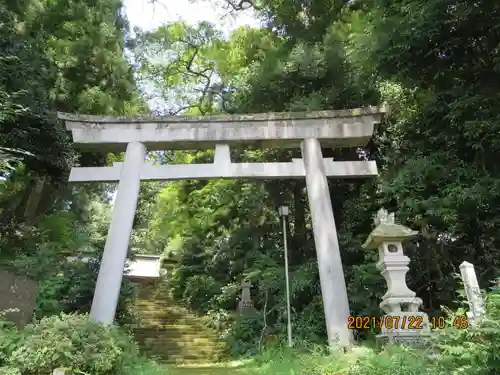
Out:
{"x": 186, "y": 337}
{"x": 194, "y": 342}
{"x": 177, "y": 336}
{"x": 166, "y": 311}
{"x": 191, "y": 337}
{"x": 174, "y": 348}
{"x": 172, "y": 317}
{"x": 154, "y": 326}
{"x": 181, "y": 342}
{"x": 193, "y": 353}
{"x": 160, "y": 302}
{"x": 179, "y": 360}
{"x": 165, "y": 315}
{"x": 170, "y": 320}
{"x": 165, "y": 308}
{"x": 171, "y": 348}
{"x": 206, "y": 357}
{"x": 165, "y": 319}
{"x": 171, "y": 332}
{"x": 174, "y": 327}
{"x": 172, "y": 344}
{"x": 174, "y": 320}
{"x": 167, "y": 352}
{"x": 170, "y": 304}
{"x": 167, "y": 349}
{"x": 161, "y": 328}
{"x": 182, "y": 339}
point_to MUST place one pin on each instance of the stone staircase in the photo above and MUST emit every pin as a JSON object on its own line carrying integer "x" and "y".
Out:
{"x": 170, "y": 332}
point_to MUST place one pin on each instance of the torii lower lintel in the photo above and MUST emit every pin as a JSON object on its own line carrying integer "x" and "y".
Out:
{"x": 213, "y": 171}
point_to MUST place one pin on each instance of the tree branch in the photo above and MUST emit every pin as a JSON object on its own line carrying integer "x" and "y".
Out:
{"x": 264, "y": 315}
{"x": 239, "y": 5}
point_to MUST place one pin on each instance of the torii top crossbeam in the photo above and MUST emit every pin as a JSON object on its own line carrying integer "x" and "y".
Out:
{"x": 344, "y": 128}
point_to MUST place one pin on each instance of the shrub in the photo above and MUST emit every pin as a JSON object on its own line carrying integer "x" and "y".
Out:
{"x": 9, "y": 371}
{"x": 244, "y": 335}
{"x": 141, "y": 366}
{"x": 10, "y": 339}
{"x": 75, "y": 342}
{"x": 472, "y": 351}
{"x": 398, "y": 360}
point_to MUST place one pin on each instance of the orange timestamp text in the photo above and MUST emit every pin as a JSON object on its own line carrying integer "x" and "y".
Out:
{"x": 407, "y": 322}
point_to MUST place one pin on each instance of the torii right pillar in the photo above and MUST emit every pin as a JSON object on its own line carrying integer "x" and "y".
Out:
{"x": 331, "y": 274}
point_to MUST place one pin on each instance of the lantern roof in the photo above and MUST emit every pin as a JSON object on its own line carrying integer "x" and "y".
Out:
{"x": 387, "y": 230}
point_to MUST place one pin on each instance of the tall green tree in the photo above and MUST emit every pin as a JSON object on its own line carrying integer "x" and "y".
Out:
{"x": 58, "y": 56}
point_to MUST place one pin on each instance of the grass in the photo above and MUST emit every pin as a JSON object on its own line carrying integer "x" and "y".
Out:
{"x": 280, "y": 362}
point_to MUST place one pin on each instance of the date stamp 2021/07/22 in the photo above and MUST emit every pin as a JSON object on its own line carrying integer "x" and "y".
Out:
{"x": 409, "y": 322}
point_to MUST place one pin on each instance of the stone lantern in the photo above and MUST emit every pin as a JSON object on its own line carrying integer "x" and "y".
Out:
{"x": 402, "y": 321}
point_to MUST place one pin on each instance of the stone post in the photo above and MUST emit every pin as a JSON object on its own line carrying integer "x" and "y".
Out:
{"x": 245, "y": 303}
{"x": 110, "y": 275}
{"x": 331, "y": 273}
{"x": 402, "y": 321}
{"x": 472, "y": 292}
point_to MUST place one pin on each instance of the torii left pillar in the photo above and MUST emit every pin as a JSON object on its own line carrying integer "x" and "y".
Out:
{"x": 110, "y": 275}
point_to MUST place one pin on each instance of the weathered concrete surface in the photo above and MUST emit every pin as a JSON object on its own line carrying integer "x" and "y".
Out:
{"x": 295, "y": 169}
{"x": 346, "y": 128}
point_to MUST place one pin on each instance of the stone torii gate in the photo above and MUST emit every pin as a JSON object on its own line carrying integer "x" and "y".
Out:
{"x": 309, "y": 131}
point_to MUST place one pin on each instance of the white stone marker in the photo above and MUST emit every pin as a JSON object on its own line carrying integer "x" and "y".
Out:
{"x": 472, "y": 292}
{"x": 402, "y": 322}
{"x": 109, "y": 280}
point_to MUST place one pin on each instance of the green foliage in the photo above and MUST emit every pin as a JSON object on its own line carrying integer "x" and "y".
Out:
{"x": 398, "y": 360}
{"x": 9, "y": 371}
{"x": 143, "y": 366}
{"x": 9, "y": 156}
{"x": 358, "y": 361}
{"x": 473, "y": 350}
{"x": 282, "y": 360}
{"x": 9, "y": 340}
{"x": 243, "y": 337}
{"x": 71, "y": 341}
{"x": 66, "y": 285}
{"x": 57, "y": 56}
